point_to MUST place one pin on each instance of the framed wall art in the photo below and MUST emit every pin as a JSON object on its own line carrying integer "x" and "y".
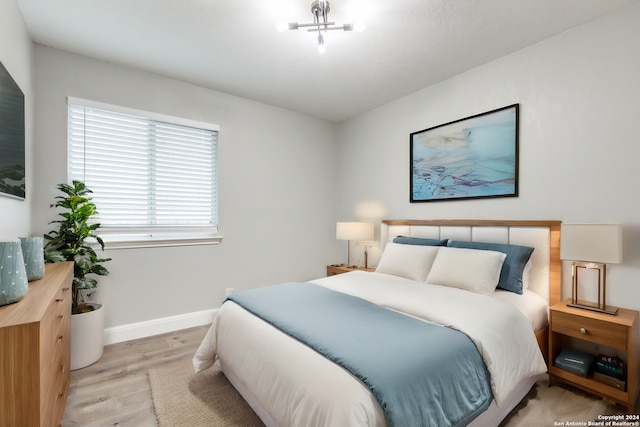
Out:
{"x": 474, "y": 157}
{"x": 12, "y": 137}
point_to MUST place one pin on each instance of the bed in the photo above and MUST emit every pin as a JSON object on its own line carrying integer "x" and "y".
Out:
{"x": 289, "y": 383}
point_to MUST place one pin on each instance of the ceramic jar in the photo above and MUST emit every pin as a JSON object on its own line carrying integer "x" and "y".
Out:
{"x": 32, "y": 251}
{"x": 14, "y": 284}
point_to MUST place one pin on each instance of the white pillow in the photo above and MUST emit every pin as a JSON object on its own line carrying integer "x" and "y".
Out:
{"x": 408, "y": 261}
{"x": 526, "y": 275}
{"x": 474, "y": 270}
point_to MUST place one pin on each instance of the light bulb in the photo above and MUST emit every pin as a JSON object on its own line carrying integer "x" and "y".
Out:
{"x": 284, "y": 26}
{"x": 359, "y": 27}
{"x": 321, "y": 47}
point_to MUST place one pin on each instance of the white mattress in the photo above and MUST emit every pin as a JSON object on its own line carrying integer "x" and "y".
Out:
{"x": 296, "y": 386}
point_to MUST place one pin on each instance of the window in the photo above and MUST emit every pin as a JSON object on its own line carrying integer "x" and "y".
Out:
{"x": 153, "y": 177}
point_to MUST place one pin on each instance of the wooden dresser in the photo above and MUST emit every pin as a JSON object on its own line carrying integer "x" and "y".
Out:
{"x": 35, "y": 350}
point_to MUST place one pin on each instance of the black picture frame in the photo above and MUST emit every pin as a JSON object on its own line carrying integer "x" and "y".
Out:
{"x": 12, "y": 137}
{"x": 470, "y": 158}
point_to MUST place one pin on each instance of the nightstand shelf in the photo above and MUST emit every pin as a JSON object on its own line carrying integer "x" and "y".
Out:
{"x": 332, "y": 270}
{"x": 619, "y": 333}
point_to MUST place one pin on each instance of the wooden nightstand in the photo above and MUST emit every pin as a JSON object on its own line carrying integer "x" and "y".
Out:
{"x": 618, "y": 332}
{"x": 332, "y": 270}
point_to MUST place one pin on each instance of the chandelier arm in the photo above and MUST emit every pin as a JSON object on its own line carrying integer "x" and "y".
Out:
{"x": 313, "y": 24}
{"x": 341, "y": 27}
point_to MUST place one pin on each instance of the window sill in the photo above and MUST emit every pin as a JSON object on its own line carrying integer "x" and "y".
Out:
{"x": 137, "y": 241}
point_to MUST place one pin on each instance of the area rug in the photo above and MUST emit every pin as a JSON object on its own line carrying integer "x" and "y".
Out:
{"x": 546, "y": 406}
{"x": 184, "y": 399}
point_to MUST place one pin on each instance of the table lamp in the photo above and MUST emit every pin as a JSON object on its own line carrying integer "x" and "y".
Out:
{"x": 591, "y": 247}
{"x": 356, "y": 231}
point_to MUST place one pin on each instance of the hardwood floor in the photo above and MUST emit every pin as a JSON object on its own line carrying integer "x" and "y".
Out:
{"x": 115, "y": 390}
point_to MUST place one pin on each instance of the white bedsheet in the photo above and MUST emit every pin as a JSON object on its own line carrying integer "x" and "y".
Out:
{"x": 299, "y": 387}
{"x": 533, "y": 306}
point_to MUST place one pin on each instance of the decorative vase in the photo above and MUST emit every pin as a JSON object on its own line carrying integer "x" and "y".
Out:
{"x": 13, "y": 276}
{"x": 32, "y": 251}
{"x": 87, "y": 337}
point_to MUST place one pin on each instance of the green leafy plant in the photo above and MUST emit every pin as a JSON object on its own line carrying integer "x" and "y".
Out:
{"x": 69, "y": 241}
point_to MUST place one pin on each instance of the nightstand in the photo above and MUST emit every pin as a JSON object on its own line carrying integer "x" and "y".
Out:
{"x": 574, "y": 327}
{"x": 332, "y": 270}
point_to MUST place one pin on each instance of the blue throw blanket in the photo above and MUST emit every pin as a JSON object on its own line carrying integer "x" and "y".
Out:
{"x": 421, "y": 374}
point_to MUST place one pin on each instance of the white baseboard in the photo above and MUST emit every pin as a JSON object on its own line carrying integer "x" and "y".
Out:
{"x": 163, "y": 325}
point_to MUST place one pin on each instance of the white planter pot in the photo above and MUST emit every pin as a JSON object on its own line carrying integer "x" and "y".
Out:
{"x": 87, "y": 338}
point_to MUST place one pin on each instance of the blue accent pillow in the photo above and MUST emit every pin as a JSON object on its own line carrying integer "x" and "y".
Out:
{"x": 517, "y": 258}
{"x": 420, "y": 241}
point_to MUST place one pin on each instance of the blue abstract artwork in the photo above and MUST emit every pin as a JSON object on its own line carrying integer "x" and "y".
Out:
{"x": 472, "y": 157}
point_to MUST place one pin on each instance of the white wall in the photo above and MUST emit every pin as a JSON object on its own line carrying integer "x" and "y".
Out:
{"x": 16, "y": 56}
{"x": 579, "y": 96}
{"x": 276, "y": 182}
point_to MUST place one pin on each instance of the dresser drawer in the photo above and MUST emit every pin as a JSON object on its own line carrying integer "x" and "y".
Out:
{"x": 56, "y": 380}
{"x": 55, "y": 325}
{"x": 593, "y": 330}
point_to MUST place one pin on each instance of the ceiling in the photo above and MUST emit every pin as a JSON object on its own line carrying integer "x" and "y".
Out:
{"x": 232, "y": 46}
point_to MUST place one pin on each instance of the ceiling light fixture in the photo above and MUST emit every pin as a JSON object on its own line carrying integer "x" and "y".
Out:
{"x": 320, "y": 24}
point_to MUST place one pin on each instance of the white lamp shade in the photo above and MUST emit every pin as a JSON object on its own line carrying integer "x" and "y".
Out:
{"x": 600, "y": 243}
{"x": 354, "y": 231}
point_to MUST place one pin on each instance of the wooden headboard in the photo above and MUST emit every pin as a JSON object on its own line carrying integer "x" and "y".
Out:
{"x": 544, "y": 236}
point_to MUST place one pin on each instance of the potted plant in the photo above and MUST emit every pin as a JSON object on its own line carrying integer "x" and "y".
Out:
{"x": 72, "y": 242}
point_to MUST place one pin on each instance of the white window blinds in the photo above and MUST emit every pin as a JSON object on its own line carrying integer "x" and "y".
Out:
{"x": 153, "y": 177}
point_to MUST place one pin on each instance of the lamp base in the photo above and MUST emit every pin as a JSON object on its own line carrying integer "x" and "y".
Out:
{"x": 606, "y": 310}
{"x": 601, "y": 306}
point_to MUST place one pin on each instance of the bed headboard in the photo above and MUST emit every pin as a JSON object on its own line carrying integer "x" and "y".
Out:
{"x": 544, "y": 236}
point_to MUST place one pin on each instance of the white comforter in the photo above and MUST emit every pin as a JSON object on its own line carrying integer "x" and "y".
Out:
{"x": 297, "y": 386}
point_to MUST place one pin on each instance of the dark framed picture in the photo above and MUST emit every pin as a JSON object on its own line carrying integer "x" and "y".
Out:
{"x": 474, "y": 157}
{"x": 12, "y": 137}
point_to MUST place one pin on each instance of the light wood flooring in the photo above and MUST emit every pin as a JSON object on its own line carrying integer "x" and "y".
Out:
{"x": 115, "y": 390}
